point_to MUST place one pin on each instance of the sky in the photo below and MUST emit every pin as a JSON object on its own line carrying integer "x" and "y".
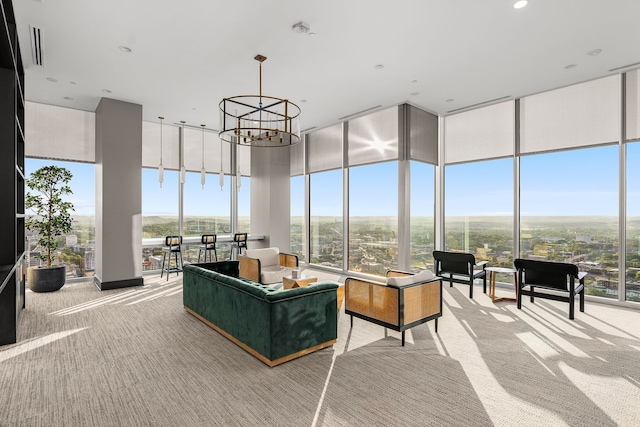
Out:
{"x": 575, "y": 182}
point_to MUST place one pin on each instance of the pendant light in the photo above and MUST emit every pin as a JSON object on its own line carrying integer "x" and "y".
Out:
{"x": 183, "y": 171}
{"x": 203, "y": 172}
{"x": 238, "y": 174}
{"x": 221, "y": 174}
{"x": 161, "y": 166}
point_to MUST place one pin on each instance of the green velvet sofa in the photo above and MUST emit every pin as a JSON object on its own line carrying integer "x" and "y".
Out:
{"x": 274, "y": 325}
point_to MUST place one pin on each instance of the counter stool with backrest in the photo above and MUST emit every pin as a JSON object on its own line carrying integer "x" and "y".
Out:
{"x": 173, "y": 245}
{"x": 239, "y": 242}
{"x": 208, "y": 244}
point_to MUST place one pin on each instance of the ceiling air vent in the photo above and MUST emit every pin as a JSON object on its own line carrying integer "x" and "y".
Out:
{"x": 468, "y": 107}
{"x": 625, "y": 66}
{"x": 37, "y": 45}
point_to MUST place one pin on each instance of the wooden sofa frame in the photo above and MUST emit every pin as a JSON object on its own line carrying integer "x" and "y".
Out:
{"x": 397, "y": 308}
{"x": 552, "y": 276}
{"x": 458, "y": 267}
{"x": 251, "y": 268}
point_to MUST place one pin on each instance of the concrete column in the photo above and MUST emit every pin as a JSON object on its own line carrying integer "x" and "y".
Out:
{"x": 270, "y": 197}
{"x": 118, "y": 194}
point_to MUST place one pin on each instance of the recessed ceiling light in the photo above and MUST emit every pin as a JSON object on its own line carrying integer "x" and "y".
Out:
{"x": 594, "y": 52}
{"x": 73, "y": 83}
{"x": 415, "y": 93}
{"x": 303, "y": 100}
{"x": 450, "y": 100}
{"x": 414, "y": 81}
{"x": 124, "y": 49}
{"x": 520, "y": 4}
{"x": 379, "y": 67}
{"x": 68, "y": 98}
{"x": 570, "y": 66}
{"x": 106, "y": 90}
{"x": 51, "y": 79}
{"x": 312, "y": 34}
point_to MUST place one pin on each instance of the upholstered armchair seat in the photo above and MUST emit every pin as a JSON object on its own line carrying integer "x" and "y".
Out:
{"x": 266, "y": 265}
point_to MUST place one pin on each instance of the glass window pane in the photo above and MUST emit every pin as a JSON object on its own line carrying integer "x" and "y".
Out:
{"x": 569, "y": 213}
{"x": 633, "y": 223}
{"x": 76, "y": 249}
{"x": 326, "y": 237}
{"x": 159, "y": 204}
{"x": 373, "y": 218}
{"x": 206, "y": 211}
{"x": 297, "y": 234}
{"x": 422, "y": 216}
{"x": 479, "y": 211}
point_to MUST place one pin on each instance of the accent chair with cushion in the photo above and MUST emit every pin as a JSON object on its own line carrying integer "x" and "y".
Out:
{"x": 403, "y": 301}
{"x": 266, "y": 265}
{"x": 459, "y": 267}
{"x": 557, "y": 279}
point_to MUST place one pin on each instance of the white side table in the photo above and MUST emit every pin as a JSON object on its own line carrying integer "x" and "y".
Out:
{"x": 493, "y": 271}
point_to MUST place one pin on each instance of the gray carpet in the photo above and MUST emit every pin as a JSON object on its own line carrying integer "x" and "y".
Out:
{"x": 134, "y": 357}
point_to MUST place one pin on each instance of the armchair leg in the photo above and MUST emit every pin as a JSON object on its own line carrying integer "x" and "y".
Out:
{"x": 352, "y": 321}
{"x": 531, "y": 287}
{"x": 571, "y": 308}
{"x": 471, "y": 289}
{"x": 484, "y": 284}
{"x": 436, "y": 325}
{"x": 582, "y": 301}
{"x": 403, "y": 338}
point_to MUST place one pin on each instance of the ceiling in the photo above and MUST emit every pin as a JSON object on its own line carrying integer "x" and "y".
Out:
{"x": 440, "y": 55}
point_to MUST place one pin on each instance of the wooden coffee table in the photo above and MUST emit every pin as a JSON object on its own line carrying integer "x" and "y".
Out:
{"x": 289, "y": 282}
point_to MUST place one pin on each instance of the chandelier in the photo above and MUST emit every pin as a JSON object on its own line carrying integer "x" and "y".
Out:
{"x": 259, "y": 120}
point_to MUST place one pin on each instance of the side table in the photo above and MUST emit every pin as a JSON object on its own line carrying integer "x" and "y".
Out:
{"x": 493, "y": 271}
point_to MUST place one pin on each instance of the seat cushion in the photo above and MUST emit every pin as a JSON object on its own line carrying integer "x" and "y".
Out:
{"x": 398, "y": 282}
{"x": 273, "y": 274}
{"x": 267, "y": 256}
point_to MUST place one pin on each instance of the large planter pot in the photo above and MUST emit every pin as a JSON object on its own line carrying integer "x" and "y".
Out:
{"x": 46, "y": 279}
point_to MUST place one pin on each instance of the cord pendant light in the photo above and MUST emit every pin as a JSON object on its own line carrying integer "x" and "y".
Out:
{"x": 203, "y": 171}
{"x": 161, "y": 166}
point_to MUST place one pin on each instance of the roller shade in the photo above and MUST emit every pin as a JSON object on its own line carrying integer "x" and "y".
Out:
{"x": 373, "y": 138}
{"x": 59, "y": 133}
{"x": 633, "y": 105}
{"x": 576, "y": 116}
{"x": 151, "y": 146}
{"x": 422, "y": 135}
{"x": 296, "y": 156}
{"x": 484, "y": 133}
{"x": 324, "y": 149}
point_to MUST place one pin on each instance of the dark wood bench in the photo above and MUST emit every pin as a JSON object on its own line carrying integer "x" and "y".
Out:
{"x": 459, "y": 267}
{"x": 560, "y": 277}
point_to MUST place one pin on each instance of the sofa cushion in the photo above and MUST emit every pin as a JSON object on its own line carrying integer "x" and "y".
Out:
{"x": 273, "y": 273}
{"x": 398, "y": 282}
{"x": 267, "y": 256}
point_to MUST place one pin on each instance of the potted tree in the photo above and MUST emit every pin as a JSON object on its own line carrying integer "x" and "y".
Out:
{"x": 52, "y": 218}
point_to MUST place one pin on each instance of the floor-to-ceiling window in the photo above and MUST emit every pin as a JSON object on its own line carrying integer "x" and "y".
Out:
{"x": 297, "y": 235}
{"x": 422, "y": 216}
{"x": 569, "y": 212}
{"x": 244, "y": 206}
{"x": 77, "y": 249}
{"x": 632, "y": 264}
{"x": 373, "y": 218}
{"x": 326, "y": 235}
{"x": 159, "y": 213}
{"x": 479, "y": 210}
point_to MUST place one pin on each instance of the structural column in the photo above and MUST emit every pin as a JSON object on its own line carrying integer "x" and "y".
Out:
{"x": 270, "y": 196}
{"x": 118, "y": 194}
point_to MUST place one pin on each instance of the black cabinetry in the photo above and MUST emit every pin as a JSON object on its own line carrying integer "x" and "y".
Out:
{"x": 12, "y": 185}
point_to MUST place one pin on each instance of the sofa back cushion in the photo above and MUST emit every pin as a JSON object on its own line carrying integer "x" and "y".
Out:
{"x": 267, "y": 256}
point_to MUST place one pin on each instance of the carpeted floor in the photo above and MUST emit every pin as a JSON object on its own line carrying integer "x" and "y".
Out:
{"x": 134, "y": 357}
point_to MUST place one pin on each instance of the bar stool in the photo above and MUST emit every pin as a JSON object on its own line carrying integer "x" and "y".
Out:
{"x": 208, "y": 244}
{"x": 239, "y": 242}
{"x": 173, "y": 245}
